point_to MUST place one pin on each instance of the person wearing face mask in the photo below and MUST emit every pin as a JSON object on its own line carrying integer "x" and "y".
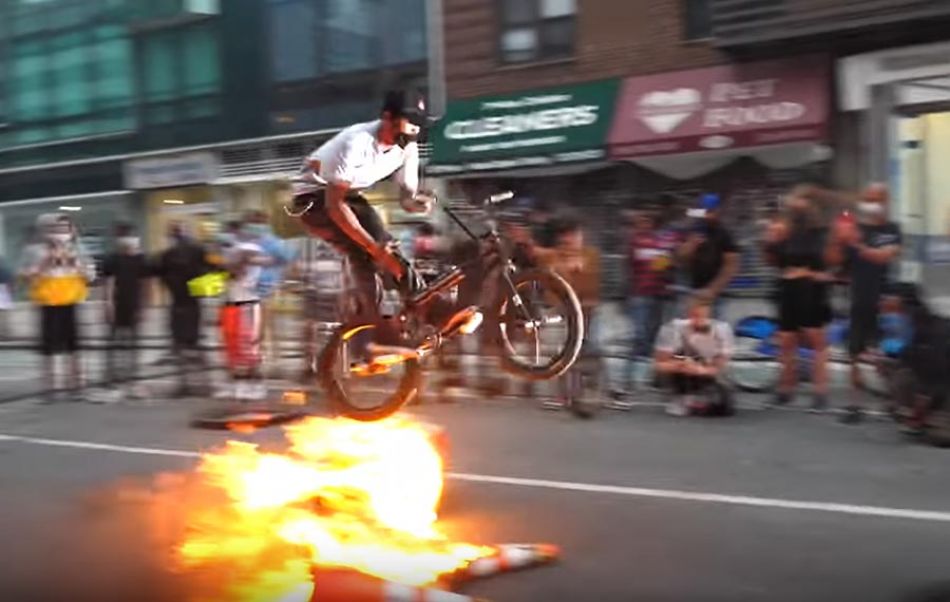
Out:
{"x": 801, "y": 249}
{"x": 709, "y": 252}
{"x": 329, "y": 203}
{"x": 58, "y": 274}
{"x": 125, "y": 271}
{"x": 690, "y": 354}
{"x": 868, "y": 250}
{"x": 183, "y": 261}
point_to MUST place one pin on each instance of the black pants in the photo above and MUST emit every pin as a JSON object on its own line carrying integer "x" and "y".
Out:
{"x": 687, "y": 384}
{"x": 59, "y": 332}
{"x": 122, "y": 355}
{"x": 367, "y": 284}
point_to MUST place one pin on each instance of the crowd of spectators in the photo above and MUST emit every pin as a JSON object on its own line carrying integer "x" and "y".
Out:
{"x": 678, "y": 265}
{"x": 245, "y": 260}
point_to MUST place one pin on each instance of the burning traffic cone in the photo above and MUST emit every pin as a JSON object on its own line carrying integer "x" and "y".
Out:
{"x": 345, "y": 585}
{"x": 509, "y": 557}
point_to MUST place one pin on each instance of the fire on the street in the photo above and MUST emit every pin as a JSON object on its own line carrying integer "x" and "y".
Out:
{"x": 361, "y": 496}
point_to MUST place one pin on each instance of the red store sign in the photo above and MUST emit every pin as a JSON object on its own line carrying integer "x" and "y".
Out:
{"x": 729, "y": 106}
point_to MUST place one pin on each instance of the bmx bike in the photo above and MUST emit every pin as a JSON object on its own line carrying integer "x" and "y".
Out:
{"x": 532, "y": 320}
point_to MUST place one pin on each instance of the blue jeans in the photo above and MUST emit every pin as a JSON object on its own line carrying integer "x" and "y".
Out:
{"x": 647, "y": 315}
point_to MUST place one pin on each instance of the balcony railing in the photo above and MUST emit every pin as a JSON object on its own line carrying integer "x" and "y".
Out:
{"x": 743, "y": 22}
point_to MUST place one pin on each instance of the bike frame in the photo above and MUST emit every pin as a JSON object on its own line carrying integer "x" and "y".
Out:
{"x": 457, "y": 274}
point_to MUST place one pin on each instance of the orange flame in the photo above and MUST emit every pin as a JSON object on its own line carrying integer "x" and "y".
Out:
{"x": 346, "y": 494}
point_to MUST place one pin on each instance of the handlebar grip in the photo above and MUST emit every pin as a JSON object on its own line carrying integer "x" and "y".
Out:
{"x": 500, "y": 197}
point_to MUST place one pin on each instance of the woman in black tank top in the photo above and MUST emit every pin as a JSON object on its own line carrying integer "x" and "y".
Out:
{"x": 798, "y": 245}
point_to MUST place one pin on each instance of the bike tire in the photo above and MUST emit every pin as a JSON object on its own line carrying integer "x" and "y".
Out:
{"x": 329, "y": 376}
{"x": 575, "y": 327}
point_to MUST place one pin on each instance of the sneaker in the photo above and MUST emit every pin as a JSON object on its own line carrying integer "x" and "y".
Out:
{"x": 618, "y": 402}
{"x": 257, "y": 391}
{"x": 852, "y": 415}
{"x": 678, "y": 407}
{"x": 227, "y": 390}
{"x": 553, "y": 404}
{"x": 819, "y": 403}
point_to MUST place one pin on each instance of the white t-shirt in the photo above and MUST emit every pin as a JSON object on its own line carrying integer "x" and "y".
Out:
{"x": 355, "y": 156}
{"x": 678, "y": 337}
{"x": 242, "y": 285}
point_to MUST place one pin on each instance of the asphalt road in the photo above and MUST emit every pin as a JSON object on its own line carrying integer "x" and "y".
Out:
{"x": 770, "y": 506}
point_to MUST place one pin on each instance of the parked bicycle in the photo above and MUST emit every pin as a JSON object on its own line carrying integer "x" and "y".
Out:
{"x": 535, "y": 320}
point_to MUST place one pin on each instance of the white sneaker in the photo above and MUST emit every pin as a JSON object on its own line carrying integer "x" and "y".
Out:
{"x": 678, "y": 407}
{"x": 227, "y": 390}
{"x": 257, "y": 390}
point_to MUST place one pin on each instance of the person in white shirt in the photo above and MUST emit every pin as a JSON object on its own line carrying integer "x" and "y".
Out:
{"x": 692, "y": 353}
{"x": 327, "y": 192}
{"x": 241, "y": 316}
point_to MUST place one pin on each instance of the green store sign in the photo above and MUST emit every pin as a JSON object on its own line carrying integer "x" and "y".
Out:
{"x": 541, "y": 127}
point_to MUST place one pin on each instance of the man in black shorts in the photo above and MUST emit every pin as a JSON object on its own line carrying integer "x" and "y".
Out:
{"x": 328, "y": 201}
{"x": 872, "y": 248}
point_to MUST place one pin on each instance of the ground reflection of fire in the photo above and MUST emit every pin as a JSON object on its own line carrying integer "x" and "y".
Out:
{"x": 346, "y": 494}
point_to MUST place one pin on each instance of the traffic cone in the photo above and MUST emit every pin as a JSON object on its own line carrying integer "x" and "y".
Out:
{"x": 347, "y": 585}
{"x": 509, "y": 557}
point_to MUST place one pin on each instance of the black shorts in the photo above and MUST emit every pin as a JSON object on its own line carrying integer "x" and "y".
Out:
{"x": 802, "y": 303}
{"x": 862, "y": 329}
{"x": 319, "y": 223}
{"x": 58, "y": 330}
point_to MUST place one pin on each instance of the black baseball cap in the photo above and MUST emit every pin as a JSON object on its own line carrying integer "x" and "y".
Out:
{"x": 411, "y": 105}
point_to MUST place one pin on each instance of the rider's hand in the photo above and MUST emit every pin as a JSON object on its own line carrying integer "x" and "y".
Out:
{"x": 384, "y": 257}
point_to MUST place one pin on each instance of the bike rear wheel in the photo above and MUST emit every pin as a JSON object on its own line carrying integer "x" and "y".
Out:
{"x": 365, "y": 398}
{"x": 541, "y": 316}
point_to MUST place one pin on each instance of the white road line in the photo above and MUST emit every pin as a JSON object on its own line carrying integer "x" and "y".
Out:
{"x": 669, "y": 494}
{"x": 147, "y": 451}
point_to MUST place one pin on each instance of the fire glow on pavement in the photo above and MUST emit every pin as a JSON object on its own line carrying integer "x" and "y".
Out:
{"x": 345, "y": 495}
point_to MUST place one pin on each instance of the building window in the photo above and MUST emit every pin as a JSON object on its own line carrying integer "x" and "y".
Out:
{"x": 76, "y": 83}
{"x": 533, "y": 30}
{"x": 294, "y": 39}
{"x": 697, "y": 19}
{"x": 181, "y": 75}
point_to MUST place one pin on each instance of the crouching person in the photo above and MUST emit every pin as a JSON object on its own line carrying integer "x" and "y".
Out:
{"x": 690, "y": 356}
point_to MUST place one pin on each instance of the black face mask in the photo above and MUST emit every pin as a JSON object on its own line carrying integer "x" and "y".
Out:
{"x": 704, "y": 329}
{"x": 403, "y": 140}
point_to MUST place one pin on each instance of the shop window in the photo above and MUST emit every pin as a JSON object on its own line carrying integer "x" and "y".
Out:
{"x": 533, "y": 30}
{"x": 697, "y": 19}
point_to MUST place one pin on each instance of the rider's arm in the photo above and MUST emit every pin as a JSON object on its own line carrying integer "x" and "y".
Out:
{"x": 411, "y": 198}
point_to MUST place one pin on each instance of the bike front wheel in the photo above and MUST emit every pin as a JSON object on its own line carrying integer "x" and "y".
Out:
{"x": 361, "y": 396}
{"x": 540, "y": 325}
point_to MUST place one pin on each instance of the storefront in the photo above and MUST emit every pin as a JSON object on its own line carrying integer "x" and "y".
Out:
{"x": 175, "y": 189}
{"x": 747, "y": 131}
{"x": 903, "y": 98}
{"x": 547, "y": 145}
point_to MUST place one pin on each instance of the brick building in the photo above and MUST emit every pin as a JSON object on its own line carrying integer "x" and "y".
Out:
{"x": 610, "y": 39}
{"x": 598, "y": 105}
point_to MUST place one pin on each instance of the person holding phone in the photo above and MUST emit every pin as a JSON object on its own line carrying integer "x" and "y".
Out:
{"x": 691, "y": 353}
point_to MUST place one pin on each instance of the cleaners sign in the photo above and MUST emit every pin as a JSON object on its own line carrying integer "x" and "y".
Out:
{"x": 536, "y": 128}
{"x": 730, "y": 106}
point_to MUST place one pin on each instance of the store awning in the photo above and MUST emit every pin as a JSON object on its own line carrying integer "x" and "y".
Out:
{"x": 723, "y": 112}
{"x": 542, "y": 128}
